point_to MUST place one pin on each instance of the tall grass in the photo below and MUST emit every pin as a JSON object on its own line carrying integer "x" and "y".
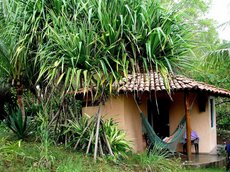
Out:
{"x": 158, "y": 160}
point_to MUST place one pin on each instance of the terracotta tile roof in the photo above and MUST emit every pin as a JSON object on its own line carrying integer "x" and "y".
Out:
{"x": 153, "y": 81}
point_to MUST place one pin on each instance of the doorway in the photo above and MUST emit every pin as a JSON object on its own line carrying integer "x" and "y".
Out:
{"x": 159, "y": 122}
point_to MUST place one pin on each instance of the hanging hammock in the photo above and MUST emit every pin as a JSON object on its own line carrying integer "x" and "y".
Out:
{"x": 169, "y": 143}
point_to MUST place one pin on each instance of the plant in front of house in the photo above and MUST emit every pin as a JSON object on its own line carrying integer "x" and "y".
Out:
{"x": 79, "y": 132}
{"x": 60, "y": 110}
{"x": 116, "y": 137}
{"x": 112, "y": 140}
{"x": 158, "y": 161}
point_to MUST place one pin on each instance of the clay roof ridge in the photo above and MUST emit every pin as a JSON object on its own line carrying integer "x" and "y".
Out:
{"x": 153, "y": 81}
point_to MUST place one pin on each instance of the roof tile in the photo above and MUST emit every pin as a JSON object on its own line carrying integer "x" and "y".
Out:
{"x": 153, "y": 81}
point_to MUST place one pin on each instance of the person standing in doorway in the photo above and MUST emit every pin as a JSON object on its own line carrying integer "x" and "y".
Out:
{"x": 227, "y": 148}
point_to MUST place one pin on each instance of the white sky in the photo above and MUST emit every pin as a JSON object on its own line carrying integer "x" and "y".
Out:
{"x": 220, "y": 11}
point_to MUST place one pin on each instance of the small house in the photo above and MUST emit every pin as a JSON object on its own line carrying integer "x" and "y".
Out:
{"x": 163, "y": 110}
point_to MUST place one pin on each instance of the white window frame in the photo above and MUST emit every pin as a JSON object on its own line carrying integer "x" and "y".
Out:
{"x": 212, "y": 112}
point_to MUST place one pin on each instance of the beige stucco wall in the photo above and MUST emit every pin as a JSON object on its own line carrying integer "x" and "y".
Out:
{"x": 113, "y": 108}
{"x": 124, "y": 111}
{"x": 133, "y": 124}
{"x": 200, "y": 122}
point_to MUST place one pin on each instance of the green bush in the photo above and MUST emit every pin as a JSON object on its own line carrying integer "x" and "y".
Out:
{"x": 58, "y": 111}
{"x": 223, "y": 119}
{"x": 20, "y": 125}
{"x": 156, "y": 161}
{"x": 116, "y": 138}
{"x": 81, "y": 131}
{"x": 223, "y": 114}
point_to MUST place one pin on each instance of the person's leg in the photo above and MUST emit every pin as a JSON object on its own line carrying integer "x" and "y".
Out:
{"x": 196, "y": 145}
{"x": 184, "y": 148}
{"x": 228, "y": 164}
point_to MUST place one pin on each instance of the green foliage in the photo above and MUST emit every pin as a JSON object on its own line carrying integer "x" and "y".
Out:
{"x": 24, "y": 156}
{"x": 57, "y": 111}
{"x": 223, "y": 116}
{"x": 79, "y": 129}
{"x": 46, "y": 159}
{"x": 82, "y": 129}
{"x": 157, "y": 161}
{"x": 117, "y": 139}
{"x": 73, "y": 44}
{"x": 20, "y": 125}
{"x": 217, "y": 63}
{"x": 140, "y": 36}
{"x": 223, "y": 120}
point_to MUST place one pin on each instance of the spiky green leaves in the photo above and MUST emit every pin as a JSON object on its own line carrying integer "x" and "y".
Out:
{"x": 80, "y": 44}
{"x": 19, "y": 125}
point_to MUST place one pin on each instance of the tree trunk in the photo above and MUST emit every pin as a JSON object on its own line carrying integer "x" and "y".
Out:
{"x": 188, "y": 125}
{"x": 19, "y": 92}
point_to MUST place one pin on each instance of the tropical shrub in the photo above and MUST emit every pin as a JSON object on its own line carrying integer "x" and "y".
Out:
{"x": 58, "y": 111}
{"x": 79, "y": 132}
{"x": 157, "y": 161}
{"x": 82, "y": 132}
{"x": 223, "y": 114}
{"x": 21, "y": 126}
{"x": 117, "y": 139}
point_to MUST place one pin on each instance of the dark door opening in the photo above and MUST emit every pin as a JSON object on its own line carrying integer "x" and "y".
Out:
{"x": 159, "y": 122}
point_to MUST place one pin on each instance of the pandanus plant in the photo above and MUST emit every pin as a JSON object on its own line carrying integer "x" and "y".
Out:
{"x": 100, "y": 41}
{"x": 79, "y": 43}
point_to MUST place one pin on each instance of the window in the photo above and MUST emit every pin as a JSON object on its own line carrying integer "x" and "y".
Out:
{"x": 212, "y": 111}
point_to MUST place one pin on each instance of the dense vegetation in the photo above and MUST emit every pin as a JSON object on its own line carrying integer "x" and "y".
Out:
{"x": 49, "y": 50}
{"x": 30, "y": 155}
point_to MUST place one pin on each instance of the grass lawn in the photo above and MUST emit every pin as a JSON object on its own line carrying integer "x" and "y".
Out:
{"x": 205, "y": 170}
{"x": 29, "y": 155}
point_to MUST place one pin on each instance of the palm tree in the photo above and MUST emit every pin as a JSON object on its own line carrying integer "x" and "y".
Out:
{"x": 217, "y": 62}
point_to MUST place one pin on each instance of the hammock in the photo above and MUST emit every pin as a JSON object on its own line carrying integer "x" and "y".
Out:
{"x": 169, "y": 143}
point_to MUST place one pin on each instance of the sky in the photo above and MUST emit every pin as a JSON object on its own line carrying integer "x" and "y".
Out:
{"x": 220, "y": 11}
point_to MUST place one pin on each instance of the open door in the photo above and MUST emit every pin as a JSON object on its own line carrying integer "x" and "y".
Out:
{"x": 159, "y": 122}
